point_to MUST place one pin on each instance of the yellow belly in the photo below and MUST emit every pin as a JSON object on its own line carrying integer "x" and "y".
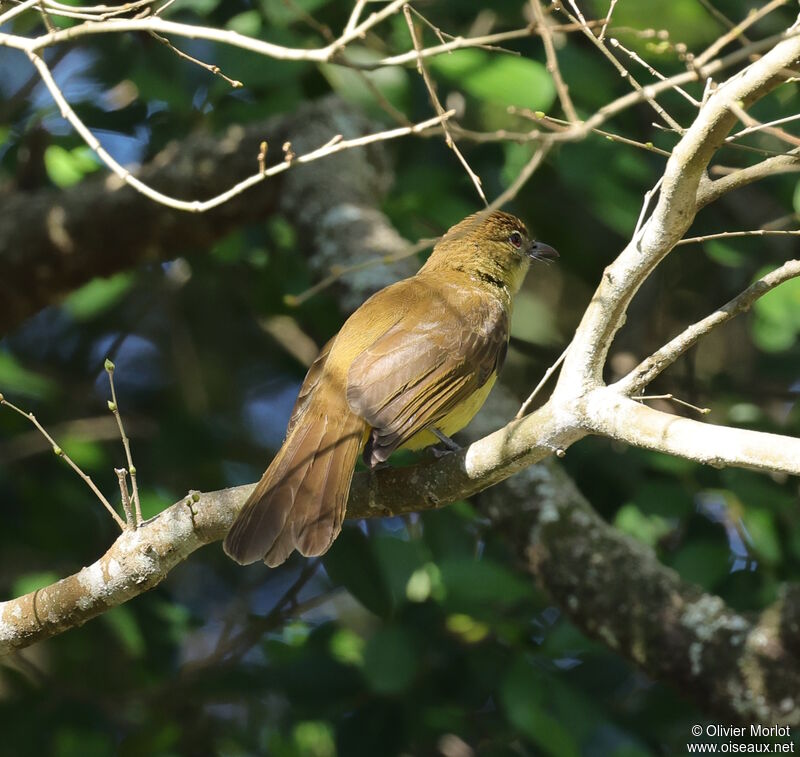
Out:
{"x": 455, "y": 420}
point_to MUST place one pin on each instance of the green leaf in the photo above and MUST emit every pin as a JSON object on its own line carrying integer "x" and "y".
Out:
{"x": 776, "y": 321}
{"x": 523, "y": 695}
{"x": 314, "y": 738}
{"x": 97, "y": 296}
{"x": 151, "y": 502}
{"x": 29, "y": 582}
{"x": 16, "y": 379}
{"x": 664, "y": 498}
{"x": 347, "y": 647}
{"x": 477, "y": 584}
{"x": 646, "y": 528}
{"x": 69, "y": 741}
{"x": 351, "y": 563}
{"x": 399, "y": 559}
{"x": 498, "y": 78}
{"x": 85, "y": 453}
{"x": 280, "y": 13}
{"x": 760, "y": 524}
{"x": 702, "y": 562}
{"x": 390, "y": 661}
{"x": 391, "y": 81}
{"x": 200, "y": 7}
{"x": 123, "y": 623}
{"x": 68, "y": 167}
{"x": 796, "y": 198}
{"x": 448, "y": 533}
{"x": 724, "y": 253}
{"x": 247, "y": 23}
{"x": 534, "y": 321}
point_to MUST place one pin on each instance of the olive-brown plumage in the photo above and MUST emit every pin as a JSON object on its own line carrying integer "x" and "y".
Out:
{"x": 421, "y": 354}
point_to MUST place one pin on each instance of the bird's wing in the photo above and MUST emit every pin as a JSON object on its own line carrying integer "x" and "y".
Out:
{"x": 414, "y": 374}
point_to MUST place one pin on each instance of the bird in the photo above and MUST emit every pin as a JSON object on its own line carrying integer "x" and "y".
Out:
{"x": 409, "y": 368}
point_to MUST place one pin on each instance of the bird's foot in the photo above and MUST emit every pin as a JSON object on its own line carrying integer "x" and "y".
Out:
{"x": 448, "y": 445}
{"x": 446, "y": 440}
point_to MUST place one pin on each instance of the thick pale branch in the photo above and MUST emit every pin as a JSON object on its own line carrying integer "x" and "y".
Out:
{"x": 140, "y": 559}
{"x": 672, "y": 216}
{"x": 610, "y": 414}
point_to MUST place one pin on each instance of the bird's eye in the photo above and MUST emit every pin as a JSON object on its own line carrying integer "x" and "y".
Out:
{"x": 516, "y": 239}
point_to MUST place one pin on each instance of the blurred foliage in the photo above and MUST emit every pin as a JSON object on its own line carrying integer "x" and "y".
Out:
{"x": 412, "y": 636}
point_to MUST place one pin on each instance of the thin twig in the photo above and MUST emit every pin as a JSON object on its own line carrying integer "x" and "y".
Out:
{"x": 754, "y": 124}
{"x": 611, "y": 136}
{"x": 672, "y": 398}
{"x": 423, "y": 71}
{"x": 214, "y": 69}
{"x": 606, "y": 20}
{"x": 646, "y": 92}
{"x": 648, "y": 197}
{"x": 648, "y": 369}
{"x": 198, "y": 206}
{"x": 736, "y": 32}
{"x": 16, "y": 10}
{"x": 125, "y": 495}
{"x": 614, "y": 42}
{"x": 336, "y": 273}
{"x": 552, "y": 61}
{"x": 355, "y": 14}
{"x": 548, "y": 373}
{"x": 522, "y": 178}
{"x": 720, "y": 16}
{"x": 757, "y": 126}
{"x": 59, "y": 452}
{"x": 733, "y": 234}
{"x": 114, "y": 408}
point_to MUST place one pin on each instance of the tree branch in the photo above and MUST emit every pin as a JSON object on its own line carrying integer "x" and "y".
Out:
{"x": 662, "y": 358}
{"x": 743, "y": 667}
{"x": 51, "y": 241}
{"x": 673, "y": 214}
{"x": 610, "y": 414}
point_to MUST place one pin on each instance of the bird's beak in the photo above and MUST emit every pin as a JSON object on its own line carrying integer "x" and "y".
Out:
{"x": 543, "y": 252}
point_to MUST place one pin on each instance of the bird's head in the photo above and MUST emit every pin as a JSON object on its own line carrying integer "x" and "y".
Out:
{"x": 495, "y": 246}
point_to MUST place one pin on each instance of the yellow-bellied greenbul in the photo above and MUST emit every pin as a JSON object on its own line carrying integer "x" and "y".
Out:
{"x": 414, "y": 363}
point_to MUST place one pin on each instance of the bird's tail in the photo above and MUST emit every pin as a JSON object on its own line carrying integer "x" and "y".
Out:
{"x": 299, "y": 502}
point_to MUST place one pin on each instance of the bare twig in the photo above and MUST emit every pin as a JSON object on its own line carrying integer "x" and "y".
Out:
{"x": 709, "y": 190}
{"x": 114, "y": 408}
{"x": 438, "y": 105}
{"x": 125, "y": 496}
{"x": 736, "y": 32}
{"x": 652, "y": 71}
{"x": 552, "y": 61}
{"x": 757, "y": 126}
{"x": 214, "y": 69}
{"x": 522, "y": 177}
{"x": 198, "y": 206}
{"x": 735, "y": 234}
{"x": 607, "y": 19}
{"x": 648, "y": 369}
{"x": 646, "y": 92}
{"x": 355, "y": 14}
{"x": 294, "y": 300}
{"x": 671, "y": 398}
{"x": 59, "y": 452}
{"x": 754, "y": 125}
{"x": 16, "y": 10}
{"x": 548, "y": 373}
